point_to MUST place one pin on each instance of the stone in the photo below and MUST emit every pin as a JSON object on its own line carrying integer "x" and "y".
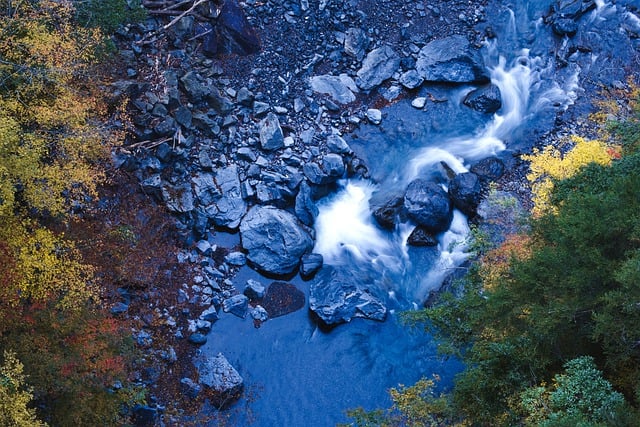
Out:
{"x": 374, "y": 116}
{"x": 229, "y": 209}
{"x": 190, "y": 388}
{"x": 197, "y": 338}
{"x": 193, "y": 86}
{"x": 236, "y": 305}
{"x": 210, "y": 314}
{"x": 205, "y": 188}
{"x": 232, "y": 34}
{"x": 340, "y": 88}
{"x": 337, "y": 144}
{"x": 387, "y": 215}
{"x": 411, "y": 79}
{"x": 451, "y": 60}
{"x": 259, "y": 313}
{"x": 310, "y": 264}
{"x": 271, "y": 136}
{"x": 421, "y": 237}
{"x": 489, "y": 169}
{"x": 564, "y": 26}
{"x": 305, "y": 208}
{"x": 379, "y": 65}
{"x": 236, "y": 258}
{"x": 254, "y": 289}
{"x": 178, "y": 198}
{"x": 217, "y": 375}
{"x": 428, "y": 205}
{"x": 465, "y": 191}
{"x": 144, "y": 416}
{"x": 485, "y": 99}
{"x": 419, "y": 102}
{"x": 355, "y": 42}
{"x": 338, "y": 295}
{"x": 274, "y": 239}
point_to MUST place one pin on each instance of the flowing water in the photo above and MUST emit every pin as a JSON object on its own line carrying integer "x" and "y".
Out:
{"x": 298, "y": 375}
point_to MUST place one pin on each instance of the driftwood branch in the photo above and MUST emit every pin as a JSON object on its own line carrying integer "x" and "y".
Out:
{"x": 169, "y": 10}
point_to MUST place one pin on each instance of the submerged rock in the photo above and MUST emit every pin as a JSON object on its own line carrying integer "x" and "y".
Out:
{"x": 337, "y": 295}
{"x": 282, "y": 298}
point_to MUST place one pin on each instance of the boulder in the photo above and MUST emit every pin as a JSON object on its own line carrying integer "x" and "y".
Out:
{"x": 421, "y": 237}
{"x": 222, "y": 382}
{"x": 230, "y": 207}
{"x": 274, "y": 240}
{"x": 205, "y": 188}
{"x": 465, "y": 191}
{"x": 337, "y": 295}
{"x": 428, "y": 205}
{"x": 232, "y": 33}
{"x": 271, "y": 136}
{"x": 379, "y": 65}
{"x": 489, "y": 169}
{"x": 485, "y": 99}
{"x": 387, "y": 215}
{"x": 451, "y": 60}
{"x": 356, "y": 42}
{"x": 340, "y": 88}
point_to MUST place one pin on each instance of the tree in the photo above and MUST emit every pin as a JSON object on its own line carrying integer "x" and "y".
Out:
{"x": 15, "y": 397}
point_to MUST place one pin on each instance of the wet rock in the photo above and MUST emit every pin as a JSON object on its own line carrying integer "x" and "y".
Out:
{"x": 310, "y": 264}
{"x": 219, "y": 378}
{"x": 564, "y": 27}
{"x": 451, "y": 60}
{"x": 305, "y": 208}
{"x": 274, "y": 239}
{"x": 378, "y": 66}
{"x": 340, "y": 88}
{"x": 374, "y": 116}
{"x": 428, "y": 205}
{"x": 197, "y": 338}
{"x": 332, "y": 169}
{"x": 282, "y": 298}
{"x": 337, "y": 295}
{"x": 388, "y": 214}
{"x": 237, "y": 305}
{"x": 485, "y": 99}
{"x": 466, "y": 192}
{"x": 271, "y": 136}
{"x": 229, "y": 209}
{"x": 421, "y": 237}
{"x": 489, "y": 169}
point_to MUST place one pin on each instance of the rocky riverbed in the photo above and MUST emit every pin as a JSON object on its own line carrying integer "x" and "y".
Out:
{"x": 240, "y": 120}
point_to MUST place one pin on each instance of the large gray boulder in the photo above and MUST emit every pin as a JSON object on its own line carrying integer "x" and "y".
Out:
{"x": 230, "y": 207}
{"x": 274, "y": 239}
{"x": 451, "y": 60}
{"x": 466, "y": 192}
{"x": 378, "y": 66}
{"x": 340, "y": 88}
{"x": 222, "y": 382}
{"x": 337, "y": 295}
{"x": 428, "y": 205}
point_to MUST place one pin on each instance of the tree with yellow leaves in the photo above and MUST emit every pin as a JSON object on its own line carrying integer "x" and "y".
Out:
{"x": 15, "y": 397}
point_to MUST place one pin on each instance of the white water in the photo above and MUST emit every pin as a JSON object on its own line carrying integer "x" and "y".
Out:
{"x": 346, "y": 231}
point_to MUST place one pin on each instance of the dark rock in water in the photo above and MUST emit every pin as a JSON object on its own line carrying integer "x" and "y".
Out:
{"x": 428, "y": 205}
{"x": 466, "y": 192}
{"x": 197, "y": 338}
{"x": 331, "y": 169}
{"x": 144, "y": 416}
{"x": 237, "y": 305}
{"x": 271, "y": 136}
{"x": 421, "y": 237}
{"x": 282, "y": 298}
{"x": 489, "y": 169}
{"x": 310, "y": 264}
{"x": 388, "y": 214}
{"x": 221, "y": 381}
{"x": 232, "y": 33}
{"x": 337, "y": 295}
{"x": 451, "y": 60}
{"x": 378, "y": 66}
{"x": 274, "y": 239}
{"x": 305, "y": 208}
{"x": 486, "y": 99}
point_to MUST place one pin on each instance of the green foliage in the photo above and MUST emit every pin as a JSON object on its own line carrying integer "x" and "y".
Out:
{"x": 108, "y": 15}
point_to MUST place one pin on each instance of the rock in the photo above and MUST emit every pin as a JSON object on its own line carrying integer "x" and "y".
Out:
{"x": 194, "y": 88}
{"x": 387, "y": 215}
{"x": 254, "y": 289}
{"x": 340, "y": 88}
{"x": 205, "y": 188}
{"x": 355, "y": 42}
{"x": 229, "y": 209}
{"x": 217, "y": 376}
{"x": 245, "y": 97}
{"x": 305, "y": 208}
{"x": 178, "y": 198}
{"x": 232, "y": 33}
{"x": 210, "y": 314}
{"x": 489, "y": 169}
{"x": 451, "y": 60}
{"x": 333, "y": 165}
{"x": 282, "y": 298}
{"x": 197, "y": 338}
{"x": 374, "y": 116}
{"x": 465, "y": 191}
{"x": 485, "y": 99}
{"x": 332, "y": 169}
{"x": 190, "y": 388}
{"x": 236, "y": 258}
{"x": 274, "y": 239}
{"x": 310, "y": 264}
{"x": 119, "y": 308}
{"x": 337, "y": 144}
{"x": 144, "y": 416}
{"x": 564, "y": 27}
{"x": 258, "y": 313}
{"x": 336, "y": 296}
{"x": 237, "y": 305}
{"x": 411, "y": 79}
{"x": 220, "y": 103}
{"x": 378, "y": 66}
{"x": 419, "y": 102}
{"x": 421, "y": 237}
{"x": 271, "y": 136}
{"x": 428, "y": 205}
